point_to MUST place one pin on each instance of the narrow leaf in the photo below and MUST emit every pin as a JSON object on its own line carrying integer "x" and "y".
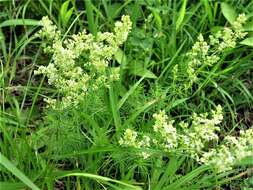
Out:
{"x": 187, "y": 178}
{"x": 15, "y": 22}
{"x": 246, "y": 161}
{"x": 65, "y": 14}
{"x": 115, "y": 112}
{"x": 99, "y": 178}
{"x": 208, "y": 9}
{"x": 68, "y": 15}
{"x": 251, "y": 180}
{"x": 64, "y": 9}
{"x": 139, "y": 111}
{"x": 181, "y": 15}
{"x": 12, "y": 186}
{"x": 248, "y": 27}
{"x": 90, "y": 17}
{"x": 157, "y": 17}
{"x": 3, "y": 45}
{"x": 130, "y": 91}
{"x": 177, "y": 102}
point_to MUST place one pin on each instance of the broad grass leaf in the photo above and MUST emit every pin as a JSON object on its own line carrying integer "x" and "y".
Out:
{"x": 128, "y": 93}
{"x": 247, "y": 41}
{"x": 177, "y": 102}
{"x": 251, "y": 180}
{"x": 90, "y": 17}
{"x": 140, "y": 110}
{"x": 12, "y": 186}
{"x": 113, "y": 10}
{"x": 120, "y": 57}
{"x": 173, "y": 165}
{"x": 113, "y": 103}
{"x": 248, "y": 27}
{"x": 216, "y": 29}
{"x": 139, "y": 70}
{"x": 15, "y": 171}
{"x": 246, "y": 161}
{"x": 183, "y": 181}
{"x": 229, "y": 12}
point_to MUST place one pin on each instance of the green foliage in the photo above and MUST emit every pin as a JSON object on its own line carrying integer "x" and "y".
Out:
{"x": 9, "y": 166}
{"x": 22, "y": 22}
{"x": 181, "y": 15}
{"x": 247, "y": 41}
{"x": 65, "y": 14}
{"x": 228, "y": 12}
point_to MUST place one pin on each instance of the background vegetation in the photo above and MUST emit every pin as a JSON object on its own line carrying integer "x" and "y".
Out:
{"x": 77, "y": 148}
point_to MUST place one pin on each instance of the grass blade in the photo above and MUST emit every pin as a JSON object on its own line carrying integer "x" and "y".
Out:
{"x": 129, "y": 92}
{"x": 208, "y": 9}
{"x": 171, "y": 169}
{"x": 100, "y": 178}
{"x": 183, "y": 180}
{"x": 139, "y": 111}
{"x": 12, "y": 186}
{"x": 90, "y": 17}
{"x": 65, "y": 14}
{"x": 113, "y": 104}
{"x": 15, "y": 171}
{"x": 15, "y": 22}
{"x": 181, "y": 15}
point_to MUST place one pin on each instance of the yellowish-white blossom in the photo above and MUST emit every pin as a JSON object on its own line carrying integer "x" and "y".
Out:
{"x": 132, "y": 139}
{"x": 207, "y": 53}
{"x": 129, "y": 138}
{"x": 192, "y": 139}
{"x": 80, "y": 60}
{"x": 166, "y": 130}
{"x": 231, "y": 152}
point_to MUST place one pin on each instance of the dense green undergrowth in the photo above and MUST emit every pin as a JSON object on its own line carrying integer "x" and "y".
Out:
{"x": 145, "y": 94}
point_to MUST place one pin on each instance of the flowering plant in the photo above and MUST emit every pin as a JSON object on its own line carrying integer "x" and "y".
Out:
{"x": 207, "y": 53}
{"x": 80, "y": 62}
{"x": 192, "y": 138}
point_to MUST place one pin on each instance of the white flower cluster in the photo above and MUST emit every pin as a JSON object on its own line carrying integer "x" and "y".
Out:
{"x": 130, "y": 139}
{"x": 230, "y": 152}
{"x": 207, "y": 54}
{"x": 49, "y": 30}
{"x": 190, "y": 139}
{"x": 202, "y": 130}
{"x": 80, "y": 59}
{"x": 193, "y": 139}
{"x": 166, "y": 130}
